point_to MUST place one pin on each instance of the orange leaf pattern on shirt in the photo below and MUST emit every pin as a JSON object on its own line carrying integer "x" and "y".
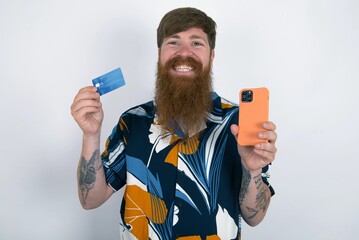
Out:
{"x": 141, "y": 205}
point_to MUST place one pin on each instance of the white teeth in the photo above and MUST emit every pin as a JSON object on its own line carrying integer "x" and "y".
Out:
{"x": 183, "y": 68}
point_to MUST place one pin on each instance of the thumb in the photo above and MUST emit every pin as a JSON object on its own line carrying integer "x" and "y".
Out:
{"x": 234, "y": 130}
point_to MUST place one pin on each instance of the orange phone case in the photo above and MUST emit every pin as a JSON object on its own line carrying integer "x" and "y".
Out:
{"x": 252, "y": 114}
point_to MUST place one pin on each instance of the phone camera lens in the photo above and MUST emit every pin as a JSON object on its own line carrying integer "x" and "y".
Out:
{"x": 247, "y": 96}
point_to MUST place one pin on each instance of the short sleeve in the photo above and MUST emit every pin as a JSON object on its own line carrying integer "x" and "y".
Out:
{"x": 265, "y": 177}
{"x": 114, "y": 157}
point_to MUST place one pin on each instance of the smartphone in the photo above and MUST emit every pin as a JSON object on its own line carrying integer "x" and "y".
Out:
{"x": 253, "y": 111}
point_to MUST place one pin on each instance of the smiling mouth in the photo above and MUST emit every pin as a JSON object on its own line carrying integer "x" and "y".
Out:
{"x": 183, "y": 68}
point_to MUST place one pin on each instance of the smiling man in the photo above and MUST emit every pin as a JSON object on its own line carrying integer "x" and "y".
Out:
{"x": 185, "y": 175}
{"x": 184, "y": 79}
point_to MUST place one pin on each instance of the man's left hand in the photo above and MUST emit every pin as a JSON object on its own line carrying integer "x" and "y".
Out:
{"x": 254, "y": 158}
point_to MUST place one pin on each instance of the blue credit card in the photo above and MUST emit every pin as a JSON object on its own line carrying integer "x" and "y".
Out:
{"x": 109, "y": 81}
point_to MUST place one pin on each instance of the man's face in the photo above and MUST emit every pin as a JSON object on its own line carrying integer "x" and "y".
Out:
{"x": 191, "y": 43}
{"x": 184, "y": 80}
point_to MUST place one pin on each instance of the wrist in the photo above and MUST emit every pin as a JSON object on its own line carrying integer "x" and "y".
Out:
{"x": 91, "y": 137}
{"x": 255, "y": 173}
{"x": 90, "y": 143}
{"x": 252, "y": 172}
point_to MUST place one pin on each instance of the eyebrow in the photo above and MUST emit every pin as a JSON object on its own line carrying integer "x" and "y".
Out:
{"x": 197, "y": 37}
{"x": 191, "y": 37}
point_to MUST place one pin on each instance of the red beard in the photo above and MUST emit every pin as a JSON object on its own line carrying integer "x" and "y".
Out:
{"x": 181, "y": 100}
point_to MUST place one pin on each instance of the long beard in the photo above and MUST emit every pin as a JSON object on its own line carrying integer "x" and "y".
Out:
{"x": 183, "y": 101}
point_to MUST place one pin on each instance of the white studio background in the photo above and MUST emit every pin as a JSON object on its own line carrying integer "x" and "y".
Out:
{"x": 305, "y": 51}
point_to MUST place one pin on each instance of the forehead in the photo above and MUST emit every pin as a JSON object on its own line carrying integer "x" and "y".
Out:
{"x": 192, "y": 33}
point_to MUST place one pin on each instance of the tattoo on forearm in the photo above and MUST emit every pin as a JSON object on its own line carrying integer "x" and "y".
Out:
{"x": 258, "y": 181}
{"x": 87, "y": 173}
{"x": 246, "y": 179}
{"x": 261, "y": 199}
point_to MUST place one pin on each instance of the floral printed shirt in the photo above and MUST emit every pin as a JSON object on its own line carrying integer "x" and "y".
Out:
{"x": 176, "y": 189}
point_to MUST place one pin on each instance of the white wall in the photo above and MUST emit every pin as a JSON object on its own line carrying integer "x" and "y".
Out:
{"x": 305, "y": 51}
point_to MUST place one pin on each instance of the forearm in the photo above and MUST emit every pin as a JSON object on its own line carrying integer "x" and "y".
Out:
{"x": 254, "y": 197}
{"x": 92, "y": 187}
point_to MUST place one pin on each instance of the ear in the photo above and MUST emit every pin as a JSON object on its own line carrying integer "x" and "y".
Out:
{"x": 212, "y": 56}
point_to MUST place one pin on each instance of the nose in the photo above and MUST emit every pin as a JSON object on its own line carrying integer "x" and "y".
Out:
{"x": 184, "y": 51}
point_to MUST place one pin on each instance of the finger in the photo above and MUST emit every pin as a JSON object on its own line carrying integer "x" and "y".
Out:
{"x": 269, "y": 126}
{"x": 85, "y": 104}
{"x": 265, "y": 156}
{"x": 88, "y": 89}
{"x": 270, "y": 136}
{"x": 86, "y": 96}
{"x": 234, "y": 130}
{"x": 95, "y": 119}
{"x": 266, "y": 146}
{"x": 266, "y": 151}
{"x": 86, "y": 110}
{"x": 87, "y": 92}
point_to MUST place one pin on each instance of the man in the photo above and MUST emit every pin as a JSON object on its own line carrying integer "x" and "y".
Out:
{"x": 185, "y": 175}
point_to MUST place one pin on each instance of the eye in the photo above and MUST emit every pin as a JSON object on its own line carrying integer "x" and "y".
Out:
{"x": 173, "y": 43}
{"x": 197, "y": 44}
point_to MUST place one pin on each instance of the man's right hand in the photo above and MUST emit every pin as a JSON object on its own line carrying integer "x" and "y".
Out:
{"x": 87, "y": 111}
